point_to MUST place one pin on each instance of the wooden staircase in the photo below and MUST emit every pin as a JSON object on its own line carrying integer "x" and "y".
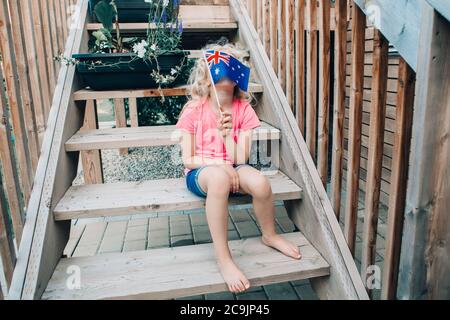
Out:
{"x": 175, "y": 272}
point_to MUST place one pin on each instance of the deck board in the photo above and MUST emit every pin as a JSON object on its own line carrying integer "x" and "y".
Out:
{"x": 167, "y": 273}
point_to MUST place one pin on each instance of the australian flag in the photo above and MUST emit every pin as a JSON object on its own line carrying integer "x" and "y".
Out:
{"x": 222, "y": 65}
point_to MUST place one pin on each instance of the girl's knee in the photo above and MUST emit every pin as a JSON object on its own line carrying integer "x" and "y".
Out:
{"x": 218, "y": 181}
{"x": 260, "y": 187}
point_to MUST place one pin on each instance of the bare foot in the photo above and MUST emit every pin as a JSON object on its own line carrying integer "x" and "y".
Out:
{"x": 286, "y": 247}
{"x": 234, "y": 277}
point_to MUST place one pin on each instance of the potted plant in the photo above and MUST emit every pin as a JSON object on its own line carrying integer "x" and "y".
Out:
{"x": 127, "y": 10}
{"x": 153, "y": 61}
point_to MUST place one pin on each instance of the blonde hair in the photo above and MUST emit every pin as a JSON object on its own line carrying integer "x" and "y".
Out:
{"x": 199, "y": 83}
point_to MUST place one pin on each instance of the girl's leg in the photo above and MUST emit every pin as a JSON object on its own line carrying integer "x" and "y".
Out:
{"x": 216, "y": 183}
{"x": 258, "y": 186}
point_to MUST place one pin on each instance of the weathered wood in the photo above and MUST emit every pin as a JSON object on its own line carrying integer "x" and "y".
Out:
{"x": 290, "y": 59}
{"x": 48, "y": 44}
{"x": 126, "y": 198}
{"x": 120, "y": 118}
{"x": 314, "y": 214}
{"x": 323, "y": 25}
{"x": 356, "y": 97}
{"x": 300, "y": 65}
{"x": 167, "y": 273}
{"x": 274, "y": 33}
{"x": 424, "y": 264}
{"x": 311, "y": 79}
{"x": 7, "y": 250}
{"x": 33, "y": 119}
{"x": 14, "y": 101}
{"x": 9, "y": 169}
{"x": 266, "y": 25}
{"x": 442, "y": 6}
{"x": 339, "y": 104}
{"x": 91, "y": 159}
{"x": 398, "y": 179}
{"x": 282, "y": 43}
{"x": 37, "y": 38}
{"x": 146, "y": 136}
{"x": 87, "y": 94}
{"x": 376, "y": 135}
{"x": 399, "y": 21}
{"x": 44, "y": 239}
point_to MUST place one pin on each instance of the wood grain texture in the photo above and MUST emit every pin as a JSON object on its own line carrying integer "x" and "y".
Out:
{"x": 375, "y": 158}
{"x": 323, "y": 25}
{"x": 354, "y": 149}
{"x": 149, "y": 196}
{"x": 115, "y": 138}
{"x": 424, "y": 267}
{"x": 168, "y": 273}
{"x": 339, "y": 104}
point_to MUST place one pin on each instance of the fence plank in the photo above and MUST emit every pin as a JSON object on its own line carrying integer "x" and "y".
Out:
{"x": 311, "y": 102}
{"x": 273, "y": 34}
{"x": 323, "y": 26}
{"x": 10, "y": 173}
{"x": 48, "y": 44}
{"x": 282, "y": 44}
{"x": 339, "y": 103}
{"x": 266, "y": 26}
{"x": 375, "y": 158}
{"x": 290, "y": 59}
{"x": 300, "y": 65}
{"x": 91, "y": 159}
{"x": 356, "y": 99}
{"x": 399, "y": 175}
{"x": 7, "y": 251}
{"x": 15, "y": 103}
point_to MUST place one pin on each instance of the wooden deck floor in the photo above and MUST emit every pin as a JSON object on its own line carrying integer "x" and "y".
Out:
{"x": 141, "y": 232}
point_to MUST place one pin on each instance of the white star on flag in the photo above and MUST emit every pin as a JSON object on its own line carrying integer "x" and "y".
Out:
{"x": 217, "y": 71}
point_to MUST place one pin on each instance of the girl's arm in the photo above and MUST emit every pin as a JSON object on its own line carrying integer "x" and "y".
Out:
{"x": 190, "y": 160}
{"x": 239, "y": 151}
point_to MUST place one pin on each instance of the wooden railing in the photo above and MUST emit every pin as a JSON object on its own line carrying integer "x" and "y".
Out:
{"x": 32, "y": 33}
{"x": 338, "y": 70}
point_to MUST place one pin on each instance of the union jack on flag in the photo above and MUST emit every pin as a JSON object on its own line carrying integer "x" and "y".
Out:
{"x": 222, "y": 65}
{"x": 214, "y": 57}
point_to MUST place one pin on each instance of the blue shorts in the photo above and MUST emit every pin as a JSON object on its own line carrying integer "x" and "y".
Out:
{"x": 193, "y": 185}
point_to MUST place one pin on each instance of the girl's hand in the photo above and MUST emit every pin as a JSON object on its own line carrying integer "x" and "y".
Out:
{"x": 233, "y": 176}
{"x": 225, "y": 124}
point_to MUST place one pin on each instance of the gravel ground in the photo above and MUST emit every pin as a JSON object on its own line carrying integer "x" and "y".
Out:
{"x": 141, "y": 164}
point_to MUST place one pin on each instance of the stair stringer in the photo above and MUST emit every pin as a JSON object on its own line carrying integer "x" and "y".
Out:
{"x": 313, "y": 215}
{"x": 44, "y": 239}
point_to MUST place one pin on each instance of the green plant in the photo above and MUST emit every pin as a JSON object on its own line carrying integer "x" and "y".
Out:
{"x": 163, "y": 36}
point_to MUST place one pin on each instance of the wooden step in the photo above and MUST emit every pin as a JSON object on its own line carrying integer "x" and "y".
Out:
{"x": 88, "y": 94}
{"x": 116, "y": 138}
{"x": 168, "y": 273}
{"x": 127, "y": 198}
{"x": 196, "y": 18}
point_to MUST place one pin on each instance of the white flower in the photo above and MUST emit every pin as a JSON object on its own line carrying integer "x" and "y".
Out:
{"x": 153, "y": 47}
{"x": 173, "y": 71}
{"x": 165, "y": 3}
{"x": 149, "y": 1}
{"x": 140, "y": 48}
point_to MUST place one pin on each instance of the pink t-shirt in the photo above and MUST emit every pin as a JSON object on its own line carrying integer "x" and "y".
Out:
{"x": 199, "y": 119}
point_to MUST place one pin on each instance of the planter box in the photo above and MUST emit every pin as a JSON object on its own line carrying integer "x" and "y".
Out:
{"x": 129, "y": 10}
{"x": 125, "y": 74}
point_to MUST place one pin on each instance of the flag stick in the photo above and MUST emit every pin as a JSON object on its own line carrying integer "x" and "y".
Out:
{"x": 212, "y": 83}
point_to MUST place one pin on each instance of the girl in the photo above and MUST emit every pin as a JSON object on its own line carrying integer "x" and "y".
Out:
{"x": 215, "y": 148}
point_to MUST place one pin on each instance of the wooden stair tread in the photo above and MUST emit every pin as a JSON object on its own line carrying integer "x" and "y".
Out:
{"x": 168, "y": 273}
{"x": 89, "y": 94}
{"x": 149, "y": 136}
{"x": 126, "y": 198}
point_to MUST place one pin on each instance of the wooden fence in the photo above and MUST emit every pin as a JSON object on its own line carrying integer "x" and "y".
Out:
{"x": 322, "y": 71}
{"x": 32, "y": 33}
